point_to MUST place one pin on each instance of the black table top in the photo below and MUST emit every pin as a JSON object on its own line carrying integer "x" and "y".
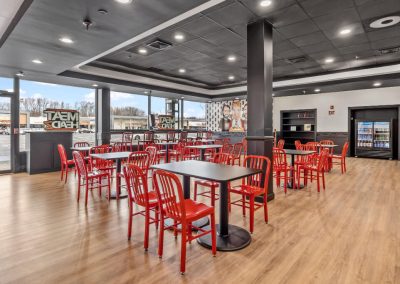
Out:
{"x": 112, "y": 156}
{"x": 212, "y": 146}
{"x": 298, "y": 152}
{"x": 206, "y": 170}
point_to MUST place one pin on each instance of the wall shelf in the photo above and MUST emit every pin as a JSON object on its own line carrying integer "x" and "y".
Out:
{"x": 298, "y": 125}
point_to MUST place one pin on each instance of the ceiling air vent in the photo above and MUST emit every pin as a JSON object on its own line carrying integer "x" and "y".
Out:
{"x": 295, "y": 60}
{"x": 390, "y": 50}
{"x": 159, "y": 44}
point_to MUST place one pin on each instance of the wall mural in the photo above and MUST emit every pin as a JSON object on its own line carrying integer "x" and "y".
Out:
{"x": 227, "y": 116}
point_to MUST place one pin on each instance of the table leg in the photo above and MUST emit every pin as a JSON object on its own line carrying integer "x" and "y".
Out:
{"x": 229, "y": 237}
{"x": 118, "y": 185}
{"x": 292, "y": 184}
{"x": 202, "y": 154}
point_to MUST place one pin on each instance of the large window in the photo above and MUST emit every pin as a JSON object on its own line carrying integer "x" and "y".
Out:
{"x": 7, "y": 84}
{"x": 35, "y": 97}
{"x": 128, "y": 111}
{"x": 194, "y": 115}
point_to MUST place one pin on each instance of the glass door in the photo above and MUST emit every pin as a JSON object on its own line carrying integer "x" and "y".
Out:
{"x": 364, "y": 134}
{"x": 382, "y": 135}
{"x": 5, "y": 134}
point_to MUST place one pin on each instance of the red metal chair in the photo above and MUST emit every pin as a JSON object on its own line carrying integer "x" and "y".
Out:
{"x": 219, "y": 142}
{"x": 153, "y": 159}
{"x": 297, "y": 144}
{"x": 148, "y": 140}
{"x": 237, "y": 153}
{"x": 226, "y": 140}
{"x": 81, "y": 144}
{"x": 65, "y": 163}
{"x": 281, "y": 144}
{"x": 170, "y": 136}
{"x": 101, "y": 164}
{"x": 209, "y": 135}
{"x": 341, "y": 158}
{"x": 280, "y": 166}
{"x": 127, "y": 137}
{"x": 252, "y": 187}
{"x": 219, "y": 158}
{"x": 90, "y": 179}
{"x": 330, "y": 152}
{"x": 190, "y": 153}
{"x": 183, "y": 211}
{"x": 226, "y": 148}
{"x": 176, "y": 152}
{"x": 139, "y": 194}
{"x": 122, "y": 147}
{"x": 140, "y": 159}
{"x": 183, "y": 136}
{"x": 315, "y": 169}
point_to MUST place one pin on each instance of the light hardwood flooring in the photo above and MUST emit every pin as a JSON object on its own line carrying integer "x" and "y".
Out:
{"x": 348, "y": 234}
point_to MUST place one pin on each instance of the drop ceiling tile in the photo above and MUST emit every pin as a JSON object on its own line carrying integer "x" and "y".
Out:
{"x": 201, "y": 26}
{"x": 354, "y": 49}
{"x": 316, "y": 8}
{"x": 351, "y": 40}
{"x": 320, "y": 47}
{"x": 385, "y": 33}
{"x": 287, "y": 16}
{"x": 309, "y": 39}
{"x": 298, "y": 29}
{"x": 231, "y": 15}
{"x": 254, "y": 6}
{"x": 386, "y": 43}
{"x": 374, "y": 9}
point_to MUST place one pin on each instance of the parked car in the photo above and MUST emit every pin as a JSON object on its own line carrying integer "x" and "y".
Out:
{"x": 5, "y": 131}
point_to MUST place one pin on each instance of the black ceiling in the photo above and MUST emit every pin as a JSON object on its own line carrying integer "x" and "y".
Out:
{"x": 302, "y": 28}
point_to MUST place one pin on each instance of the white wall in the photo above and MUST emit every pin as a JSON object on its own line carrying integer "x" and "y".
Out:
{"x": 342, "y": 101}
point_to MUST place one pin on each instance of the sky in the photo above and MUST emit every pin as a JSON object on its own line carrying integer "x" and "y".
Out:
{"x": 71, "y": 95}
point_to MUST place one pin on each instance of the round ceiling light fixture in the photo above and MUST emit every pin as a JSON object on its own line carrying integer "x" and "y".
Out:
{"x": 179, "y": 37}
{"x": 231, "y": 77}
{"x": 67, "y": 40}
{"x": 385, "y": 22}
{"x": 377, "y": 84}
{"x": 231, "y": 58}
{"x": 37, "y": 61}
{"x": 265, "y": 3}
{"x": 124, "y": 1}
{"x": 317, "y": 90}
{"x": 142, "y": 50}
{"x": 329, "y": 60}
{"x": 182, "y": 70}
{"x": 20, "y": 74}
{"x": 345, "y": 32}
{"x": 95, "y": 85}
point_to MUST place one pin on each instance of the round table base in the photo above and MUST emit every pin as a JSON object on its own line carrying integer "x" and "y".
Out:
{"x": 122, "y": 195}
{"x": 290, "y": 185}
{"x": 199, "y": 223}
{"x": 237, "y": 239}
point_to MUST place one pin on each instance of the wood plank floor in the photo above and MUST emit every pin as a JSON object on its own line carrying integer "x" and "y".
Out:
{"x": 348, "y": 234}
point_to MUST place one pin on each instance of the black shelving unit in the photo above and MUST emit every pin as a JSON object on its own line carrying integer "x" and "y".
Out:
{"x": 298, "y": 125}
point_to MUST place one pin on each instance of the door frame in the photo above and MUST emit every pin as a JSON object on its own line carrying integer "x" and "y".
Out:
{"x": 9, "y": 95}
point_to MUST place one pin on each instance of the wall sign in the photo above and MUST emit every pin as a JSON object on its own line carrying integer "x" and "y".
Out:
{"x": 166, "y": 122}
{"x": 331, "y": 110}
{"x": 61, "y": 119}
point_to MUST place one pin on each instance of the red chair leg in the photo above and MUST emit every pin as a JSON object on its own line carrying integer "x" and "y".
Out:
{"x": 265, "y": 211}
{"x": 243, "y": 205}
{"x": 251, "y": 214}
{"x": 66, "y": 173}
{"x": 62, "y": 171}
{"x": 161, "y": 238}
{"x": 195, "y": 191}
{"x": 130, "y": 221}
{"x": 79, "y": 189}
{"x": 213, "y": 235}
{"x": 86, "y": 193}
{"x": 183, "y": 248}
{"x": 146, "y": 228}
{"x": 212, "y": 195}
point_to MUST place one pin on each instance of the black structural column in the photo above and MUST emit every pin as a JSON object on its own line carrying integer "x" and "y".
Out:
{"x": 103, "y": 115}
{"x": 259, "y": 91}
{"x": 14, "y": 128}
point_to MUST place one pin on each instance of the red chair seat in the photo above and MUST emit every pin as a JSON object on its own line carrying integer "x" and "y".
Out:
{"x": 247, "y": 189}
{"x": 207, "y": 183}
{"x": 153, "y": 200}
{"x": 195, "y": 210}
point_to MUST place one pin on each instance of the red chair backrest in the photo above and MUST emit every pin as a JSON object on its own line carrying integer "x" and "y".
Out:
{"x": 209, "y": 135}
{"x": 279, "y": 157}
{"x": 226, "y": 148}
{"x": 140, "y": 159}
{"x": 281, "y": 144}
{"x": 81, "y": 144}
{"x": 149, "y": 136}
{"x": 297, "y": 144}
{"x": 322, "y": 158}
{"x": 102, "y": 149}
{"x": 136, "y": 184}
{"x": 345, "y": 148}
{"x": 121, "y": 147}
{"x": 222, "y": 158}
{"x": 226, "y": 140}
{"x": 79, "y": 164}
{"x": 183, "y": 135}
{"x": 62, "y": 153}
{"x": 237, "y": 150}
{"x": 171, "y": 136}
{"x": 244, "y": 142}
{"x": 315, "y": 146}
{"x": 170, "y": 194}
{"x": 152, "y": 150}
{"x": 127, "y": 137}
{"x": 260, "y": 163}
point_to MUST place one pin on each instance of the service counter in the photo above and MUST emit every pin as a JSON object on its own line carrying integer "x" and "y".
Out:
{"x": 41, "y": 150}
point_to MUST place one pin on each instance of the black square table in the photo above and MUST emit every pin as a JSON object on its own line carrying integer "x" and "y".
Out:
{"x": 294, "y": 153}
{"x": 203, "y": 149}
{"x": 166, "y": 145}
{"x": 118, "y": 157}
{"x": 229, "y": 237}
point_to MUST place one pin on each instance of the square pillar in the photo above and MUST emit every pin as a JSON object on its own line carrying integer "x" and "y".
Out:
{"x": 259, "y": 92}
{"x": 103, "y": 116}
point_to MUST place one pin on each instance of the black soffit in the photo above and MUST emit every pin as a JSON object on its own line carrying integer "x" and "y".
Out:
{"x": 306, "y": 32}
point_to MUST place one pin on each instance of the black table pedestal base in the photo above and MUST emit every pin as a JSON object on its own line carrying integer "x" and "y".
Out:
{"x": 199, "y": 223}
{"x": 291, "y": 186}
{"x": 122, "y": 195}
{"x": 237, "y": 239}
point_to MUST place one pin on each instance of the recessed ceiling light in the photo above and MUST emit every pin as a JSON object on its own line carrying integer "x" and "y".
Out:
{"x": 385, "y": 22}
{"x": 142, "y": 50}
{"x": 345, "y": 32}
{"x": 377, "y": 84}
{"x": 231, "y": 58}
{"x": 209, "y": 101}
{"x": 179, "y": 37}
{"x": 329, "y": 60}
{"x": 123, "y": 1}
{"x": 231, "y": 77}
{"x": 273, "y": 94}
{"x": 182, "y": 97}
{"x": 265, "y": 3}
{"x": 317, "y": 90}
{"x": 236, "y": 98}
{"x": 146, "y": 92}
{"x": 37, "y": 61}
{"x": 182, "y": 70}
{"x": 66, "y": 40}
{"x": 20, "y": 74}
{"x": 95, "y": 85}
